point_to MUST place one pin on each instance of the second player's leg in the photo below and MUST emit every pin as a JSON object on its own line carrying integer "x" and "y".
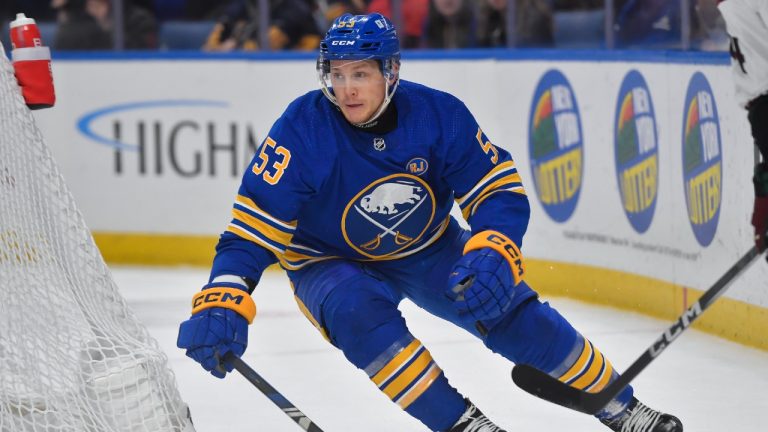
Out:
{"x": 758, "y": 119}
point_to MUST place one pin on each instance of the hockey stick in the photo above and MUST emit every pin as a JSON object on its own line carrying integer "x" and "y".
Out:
{"x": 548, "y": 388}
{"x": 275, "y": 396}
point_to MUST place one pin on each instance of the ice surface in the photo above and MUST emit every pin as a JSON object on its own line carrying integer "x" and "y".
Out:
{"x": 712, "y": 384}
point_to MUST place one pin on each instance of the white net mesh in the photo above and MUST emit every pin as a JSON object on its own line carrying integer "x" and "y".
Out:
{"x": 73, "y": 357}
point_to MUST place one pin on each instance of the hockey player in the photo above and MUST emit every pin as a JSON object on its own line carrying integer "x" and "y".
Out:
{"x": 747, "y": 23}
{"x": 351, "y": 193}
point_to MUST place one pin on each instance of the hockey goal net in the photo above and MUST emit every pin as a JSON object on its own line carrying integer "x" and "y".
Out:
{"x": 73, "y": 357}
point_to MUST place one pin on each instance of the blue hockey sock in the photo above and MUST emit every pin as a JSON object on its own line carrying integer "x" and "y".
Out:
{"x": 536, "y": 334}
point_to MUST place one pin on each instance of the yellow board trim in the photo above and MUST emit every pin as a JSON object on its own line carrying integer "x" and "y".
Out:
{"x": 731, "y": 319}
{"x": 156, "y": 249}
{"x": 728, "y": 318}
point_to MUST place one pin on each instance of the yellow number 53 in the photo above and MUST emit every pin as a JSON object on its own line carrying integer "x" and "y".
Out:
{"x": 278, "y": 166}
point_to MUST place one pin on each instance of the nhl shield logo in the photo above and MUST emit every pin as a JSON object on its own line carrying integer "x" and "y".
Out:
{"x": 379, "y": 144}
{"x": 389, "y": 215}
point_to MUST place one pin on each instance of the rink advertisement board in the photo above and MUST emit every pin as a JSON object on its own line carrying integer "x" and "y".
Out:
{"x": 637, "y": 166}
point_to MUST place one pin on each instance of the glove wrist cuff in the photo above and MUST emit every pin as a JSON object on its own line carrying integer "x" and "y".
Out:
{"x": 504, "y": 246}
{"x": 235, "y": 299}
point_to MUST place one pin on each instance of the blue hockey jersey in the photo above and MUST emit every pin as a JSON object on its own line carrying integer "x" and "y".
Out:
{"x": 319, "y": 188}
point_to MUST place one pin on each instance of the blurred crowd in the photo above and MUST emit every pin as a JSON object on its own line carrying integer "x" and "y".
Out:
{"x": 429, "y": 24}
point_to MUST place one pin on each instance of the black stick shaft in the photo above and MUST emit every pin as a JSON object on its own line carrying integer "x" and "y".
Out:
{"x": 275, "y": 396}
{"x": 684, "y": 321}
{"x": 546, "y": 387}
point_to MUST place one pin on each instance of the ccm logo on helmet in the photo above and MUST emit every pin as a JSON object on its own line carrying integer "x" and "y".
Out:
{"x": 342, "y": 42}
{"x": 217, "y": 297}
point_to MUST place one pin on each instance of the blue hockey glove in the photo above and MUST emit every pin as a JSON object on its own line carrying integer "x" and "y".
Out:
{"x": 482, "y": 281}
{"x": 219, "y": 324}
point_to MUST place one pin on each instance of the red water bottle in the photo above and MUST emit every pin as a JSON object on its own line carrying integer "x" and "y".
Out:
{"x": 24, "y": 33}
{"x": 32, "y": 63}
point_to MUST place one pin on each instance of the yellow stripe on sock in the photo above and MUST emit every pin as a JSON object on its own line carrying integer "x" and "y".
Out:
{"x": 604, "y": 380}
{"x": 407, "y": 376}
{"x": 586, "y": 355}
{"x": 420, "y": 387}
{"x": 396, "y": 363}
{"x": 590, "y": 374}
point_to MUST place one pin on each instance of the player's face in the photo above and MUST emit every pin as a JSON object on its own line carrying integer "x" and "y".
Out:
{"x": 359, "y": 88}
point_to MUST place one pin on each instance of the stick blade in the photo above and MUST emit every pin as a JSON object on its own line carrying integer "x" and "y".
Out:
{"x": 545, "y": 387}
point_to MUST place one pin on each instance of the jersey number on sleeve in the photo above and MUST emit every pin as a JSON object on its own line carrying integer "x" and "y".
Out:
{"x": 487, "y": 146}
{"x": 279, "y": 166}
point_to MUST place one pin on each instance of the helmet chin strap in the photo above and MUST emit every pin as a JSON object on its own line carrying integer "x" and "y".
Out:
{"x": 388, "y": 98}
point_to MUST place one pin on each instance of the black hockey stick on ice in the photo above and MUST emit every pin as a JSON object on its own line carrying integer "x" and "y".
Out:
{"x": 548, "y": 388}
{"x": 275, "y": 396}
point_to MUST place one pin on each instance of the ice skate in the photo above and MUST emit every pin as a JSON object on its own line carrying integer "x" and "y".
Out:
{"x": 640, "y": 418}
{"x": 473, "y": 420}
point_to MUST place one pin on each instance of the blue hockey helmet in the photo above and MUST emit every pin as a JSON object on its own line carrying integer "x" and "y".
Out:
{"x": 361, "y": 37}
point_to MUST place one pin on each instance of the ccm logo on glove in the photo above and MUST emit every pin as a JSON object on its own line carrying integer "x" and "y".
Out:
{"x": 503, "y": 245}
{"x": 230, "y": 298}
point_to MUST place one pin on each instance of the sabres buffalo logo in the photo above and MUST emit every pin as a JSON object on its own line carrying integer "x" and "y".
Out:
{"x": 388, "y": 216}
